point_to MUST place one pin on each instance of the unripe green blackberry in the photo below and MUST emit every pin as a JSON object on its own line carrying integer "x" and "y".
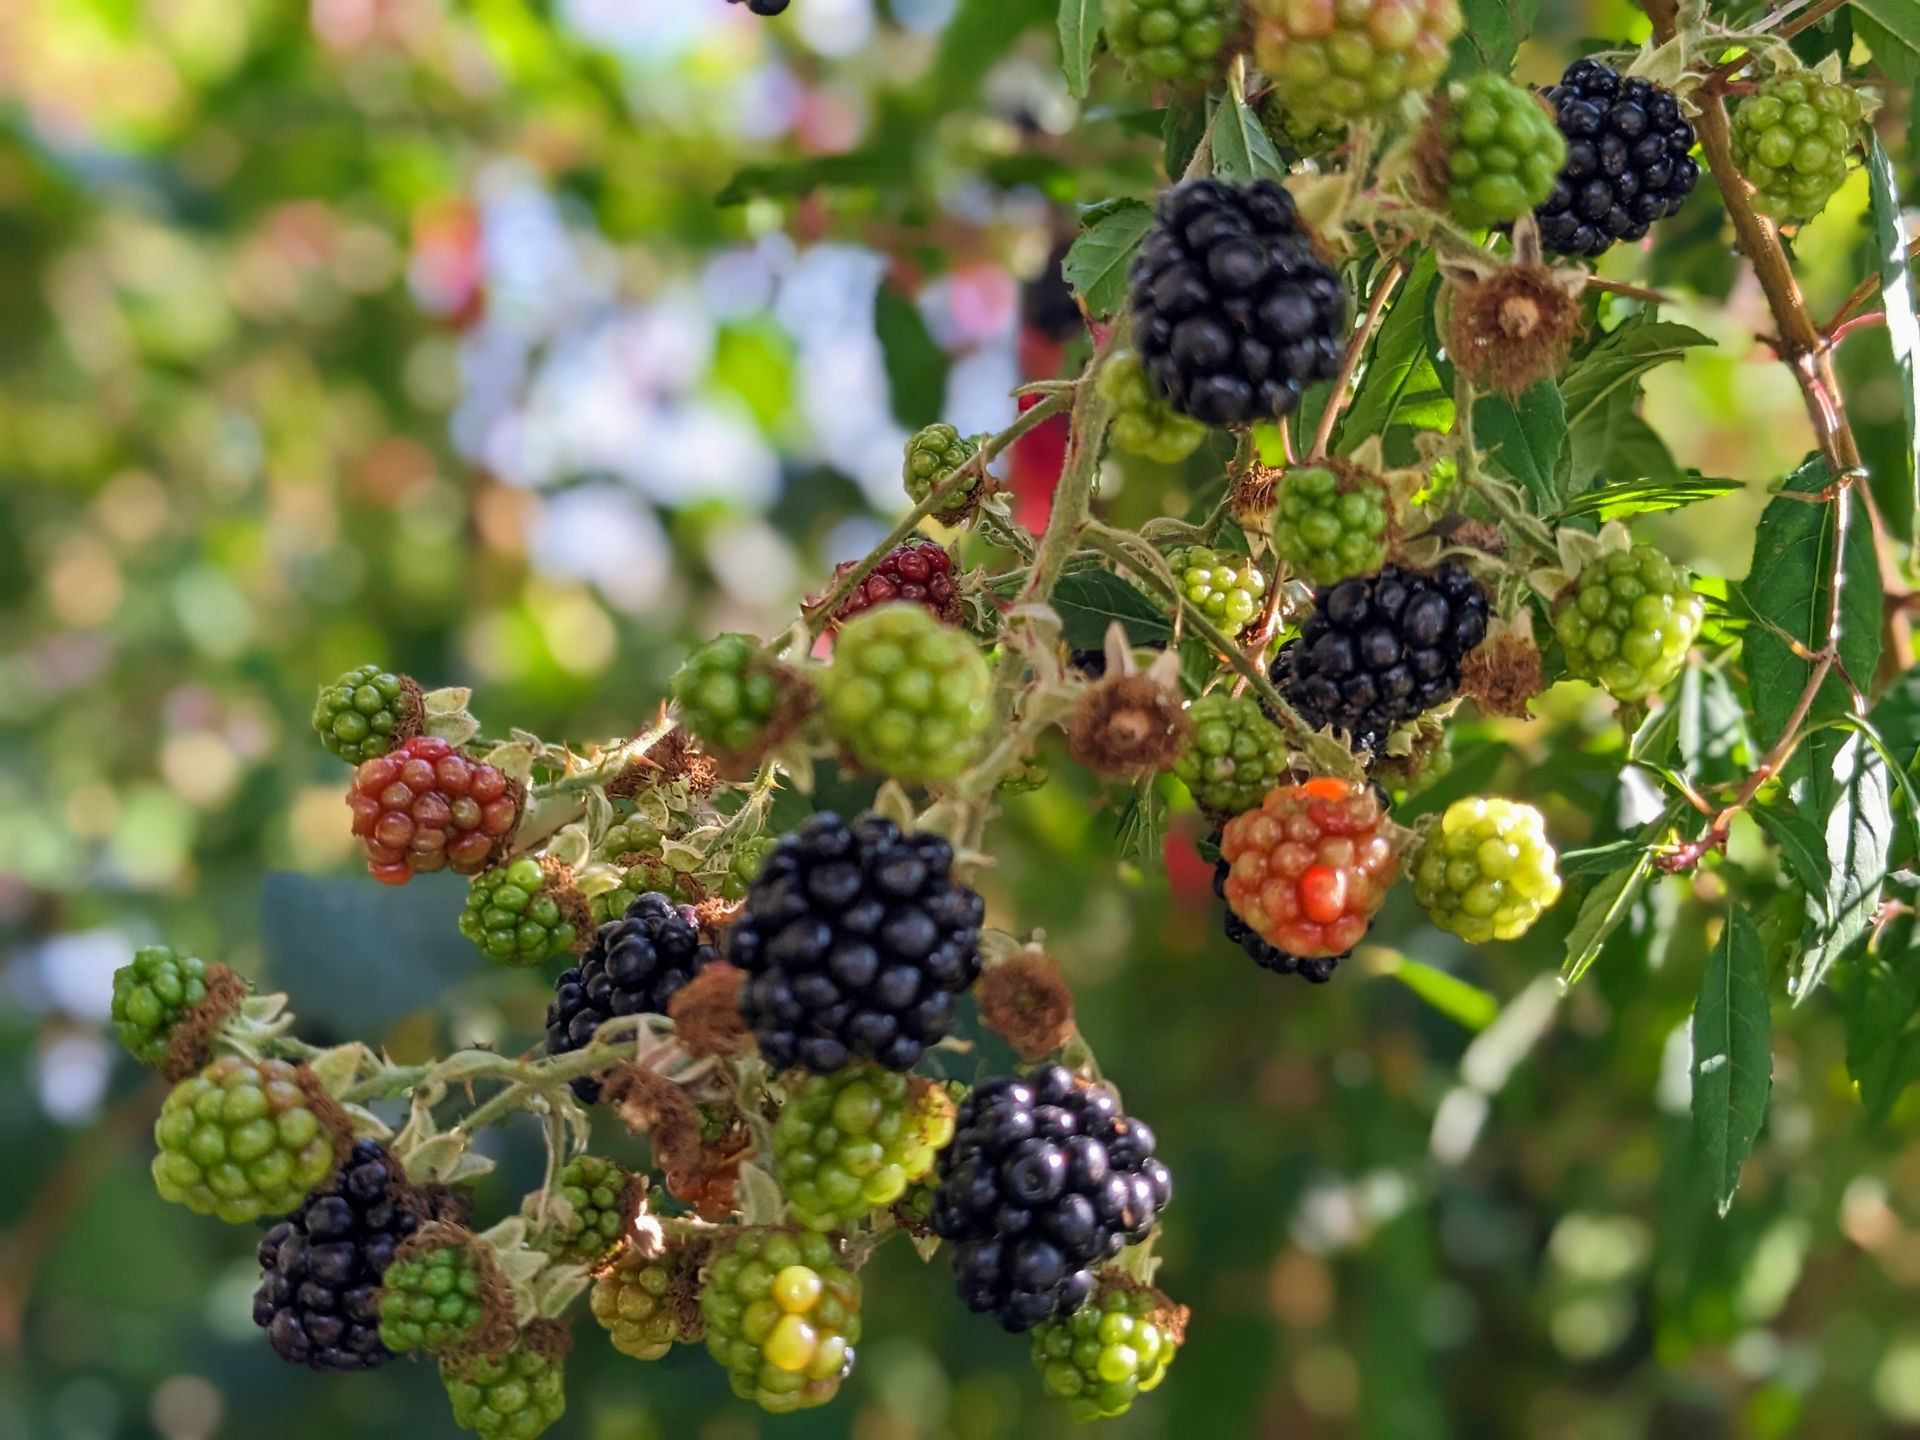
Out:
{"x": 1308, "y": 138}
{"x": 783, "y": 1316}
{"x": 933, "y": 454}
{"x": 522, "y": 913}
{"x": 729, "y": 695}
{"x": 366, "y": 712}
{"x": 850, "y": 1143}
{"x": 596, "y": 1191}
{"x": 244, "y": 1138}
{"x": 1331, "y": 523}
{"x": 1227, "y": 589}
{"x": 1628, "y": 620}
{"x": 1177, "y": 42}
{"x": 513, "y": 1398}
{"x": 1117, "y": 1347}
{"x": 432, "y": 1297}
{"x": 1143, "y": 423}
{"x": 1495, "y": 151}
{"x": 152, "y": 993}
{"x": 637, "y": 848}
{"x": 1031, "y": 772}
{"x": 907, "y": 696}
{"x": 744, "y": 864}
{"x": 1486, "y": 870}
{"x": 1235, "y": 754}
{"x": 649, "y": 1306}
{"x": 1349, "y": 59}
{"x": 1792, "y": 139}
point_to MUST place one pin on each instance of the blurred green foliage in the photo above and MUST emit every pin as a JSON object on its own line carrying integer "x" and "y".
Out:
{"x": 257, "y": 280}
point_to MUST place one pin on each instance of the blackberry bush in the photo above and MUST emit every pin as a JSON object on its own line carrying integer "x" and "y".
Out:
{"x": 1046, "y": 1178}
{"x": 1332, "y": 524}
{"x": 1486, "y": 870}
{"x": 1628, "y": 621}
{"x": 1234, "y": 312}
{"x": 855, "y": 939}
{"x": 907, "y": 696}
{"x": 850, "y": 1143}
{"x": 1627, "y": 160}
{"x": 1234, "y": 756}
{"x": 782, "y": 1316}
{"x": 633, "y": 966}
{"x": 426, "y": 807}
{"x": 245, "y": 1138}
{"x": 523, "y": 913}
{"x": 321, "y": 1268}
{"x": 1381, "y": 651}
{"x": 1793, "y": 138}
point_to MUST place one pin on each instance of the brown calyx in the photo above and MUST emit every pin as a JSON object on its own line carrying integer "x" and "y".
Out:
{"x": 1432, "y": 173}
{"x": 573, "y": 905}
{"x": 552, "y": 1340}
{"x": 1502, "y": 675}
{"x": 494, "y": 1336}
{"x": 1128, "y": 725}
{"x": 190, "y": 1041}
{"x": 672, "y": 757}
{"x": 1251, "y": 498}
{"x": 1169, "y": 1316}
{"x": 701, "y": 1174}
{"x": 795, "y": 700}
{"x": 687, "y": 1260}
{"x": 330, "y": 1113}
{"x": 1512, "y": 328}
{"x": 1026, "y": 1001}
{"x": 706, "y": 1013}
{"x": 410, "y": 718}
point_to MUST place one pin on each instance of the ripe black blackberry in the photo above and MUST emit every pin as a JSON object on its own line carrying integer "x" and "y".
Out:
{"x": 1382, "y": 650}
{"x": 1234, "y": 312}
{"x": 1318, "y": 970}
{"x": 321, "y": 1267}
{"x": 1627, "y": 161}
{"x": 1045, "y": 1179}
{"x": 634, "y": 966}
{"x": 855, "y": 939}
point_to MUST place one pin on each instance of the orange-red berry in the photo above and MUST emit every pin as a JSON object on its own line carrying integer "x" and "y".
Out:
{"x": 1310, "y": 867}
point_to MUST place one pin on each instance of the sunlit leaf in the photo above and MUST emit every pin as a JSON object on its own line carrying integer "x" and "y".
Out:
{"x": 1732, "y": 1054}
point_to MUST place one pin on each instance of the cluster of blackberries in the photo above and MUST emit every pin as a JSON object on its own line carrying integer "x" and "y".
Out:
{"x": 1234, "y": 312}
{"x": 321, "y": 1267}
{"x": 1382, "y": 650}
{"x": 856, "y": 940}
{"x": 634, "y": 966}
{"x": 1045, "y": 1179}
{"x": 1627, "y": 161}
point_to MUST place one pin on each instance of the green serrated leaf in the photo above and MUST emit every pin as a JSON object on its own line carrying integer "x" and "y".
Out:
{"x": 1787, "y": 588}
{"x": 1181, "y": 131}
{"x": 1091, "y": 600}
{"x": 1242, "y": 149}
{"x": 1079, "y": 24}
{"x": 1732, "y": 1055}
{"x": 1097, "y": 263}
{"x": 1890, "y": 239}
{"x": 1891, "y": 30}
{"x": 1492, "y": 35}
{"x": 1646, "y": 497}
{"x": 1880, "y": 1002}
{"x": 1399, "y": 363}
{"x": 1802, "y": 846}
{"x": 1606, "y": 436}
{"x": 1525, "y": 436}
{"x": 1601, "y": 913}
{"x": 1858, "y": 836}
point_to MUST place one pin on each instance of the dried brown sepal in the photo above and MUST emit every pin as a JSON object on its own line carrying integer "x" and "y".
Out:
{"x": 674, "y": 756}
{"x": 410, "y": 716}
{"x": 1502, "y": 675}
{"x": 1512, "y": 328}
{"x": 688, "y": 1259}
{"x": 713, "y": 915}
{"x": 573, "y": 905}
{"x": 1026, "y": 1001}
{"x": 552, "y": 1340}
{"x": 706, "y": 1013}
{"x": 709, "y": 1181}
{"x": 650, "y": 1104}
{"x": 328, "y": 1111}
{"x": 1432, "y": 175}
{"x": 190, "y": 1042}
{"x": 1253, "y": 495}
{"x": 494, "y": 1336}
{"x": 1171, "y": 1317}
{"x": 1127, "y": 726}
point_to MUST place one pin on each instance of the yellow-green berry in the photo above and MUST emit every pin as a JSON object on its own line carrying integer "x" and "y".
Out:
{"x": 852, "y": 1142}
{"x": 1628, "y": 622}
{"x": 1178, "y": 42}
{"x": 1234, "y": 756}
{"x": 1144, "y": 423}
{"x": 1116, "y": 1347}
{"x": 648, "y": 1306}
{"x": 1793, "y": 139}
{"x": 1486, "y": 870}
{"x": 1332, "y": 525}
{"x": 1227, "y": 589}
{"x": 783, "y": 1317}
{"x": 1501, "y": 148}
{"x": 1354, "y": 58}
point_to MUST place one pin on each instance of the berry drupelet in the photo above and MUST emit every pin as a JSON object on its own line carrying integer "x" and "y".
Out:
{"x": 1310, "y": 868}
{"x": 1234, "y": 312}
{"x": 427, "y": 807}
{"x": 1315, "y": 969}
{"x": 918, "y": 571}
{"x": 634, "y": 966}
{"x": 855, "y": 939}
{"x": 1380, "y": 651}
{"x": 1627, "y": 161}
{"x": 322, "y": 1266}
{"x": 1045, "y": 1179}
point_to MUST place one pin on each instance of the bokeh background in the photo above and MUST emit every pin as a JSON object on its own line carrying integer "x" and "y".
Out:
{"x": 423, "y": 332}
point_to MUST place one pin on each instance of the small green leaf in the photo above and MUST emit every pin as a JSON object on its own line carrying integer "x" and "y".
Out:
{"x": 1891, "y": 30}
{"x": 1645, "y": 497}
{"x": 1492, "y": 35}
{"x": 1098, "y": 261}
{"x": 1242, "y": 150}
{"x": 1858, "y": 838}
{"x": 1400, "y": 362}
{"x": 1091, "y": 600}
{"x": 1600, "y": 915}
{"x": 1181, "y": 131}
{"x": 1079, "y": 38}
{"x": 1890, "y": 238}
{"x": 1453, "y": 997}
{"x": 877, "y": 169}
{"x": 916, "y": 365}
{"x": 1525, "y": 436}
{"x": 1732, "y": 1055}
{"x": 1880, "y": 1001}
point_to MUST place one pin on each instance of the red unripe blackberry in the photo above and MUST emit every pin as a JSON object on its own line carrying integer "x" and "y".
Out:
{"x": 1311, "y": 867}
{"x": 1627, "y": 161}
{"x": 919, "y": 571}
{"x": 427, "y": 807}
{"x": 1234, "y": 312}
{"x": 1317, "y": 969}
{"x": 1044, "y": 1180}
